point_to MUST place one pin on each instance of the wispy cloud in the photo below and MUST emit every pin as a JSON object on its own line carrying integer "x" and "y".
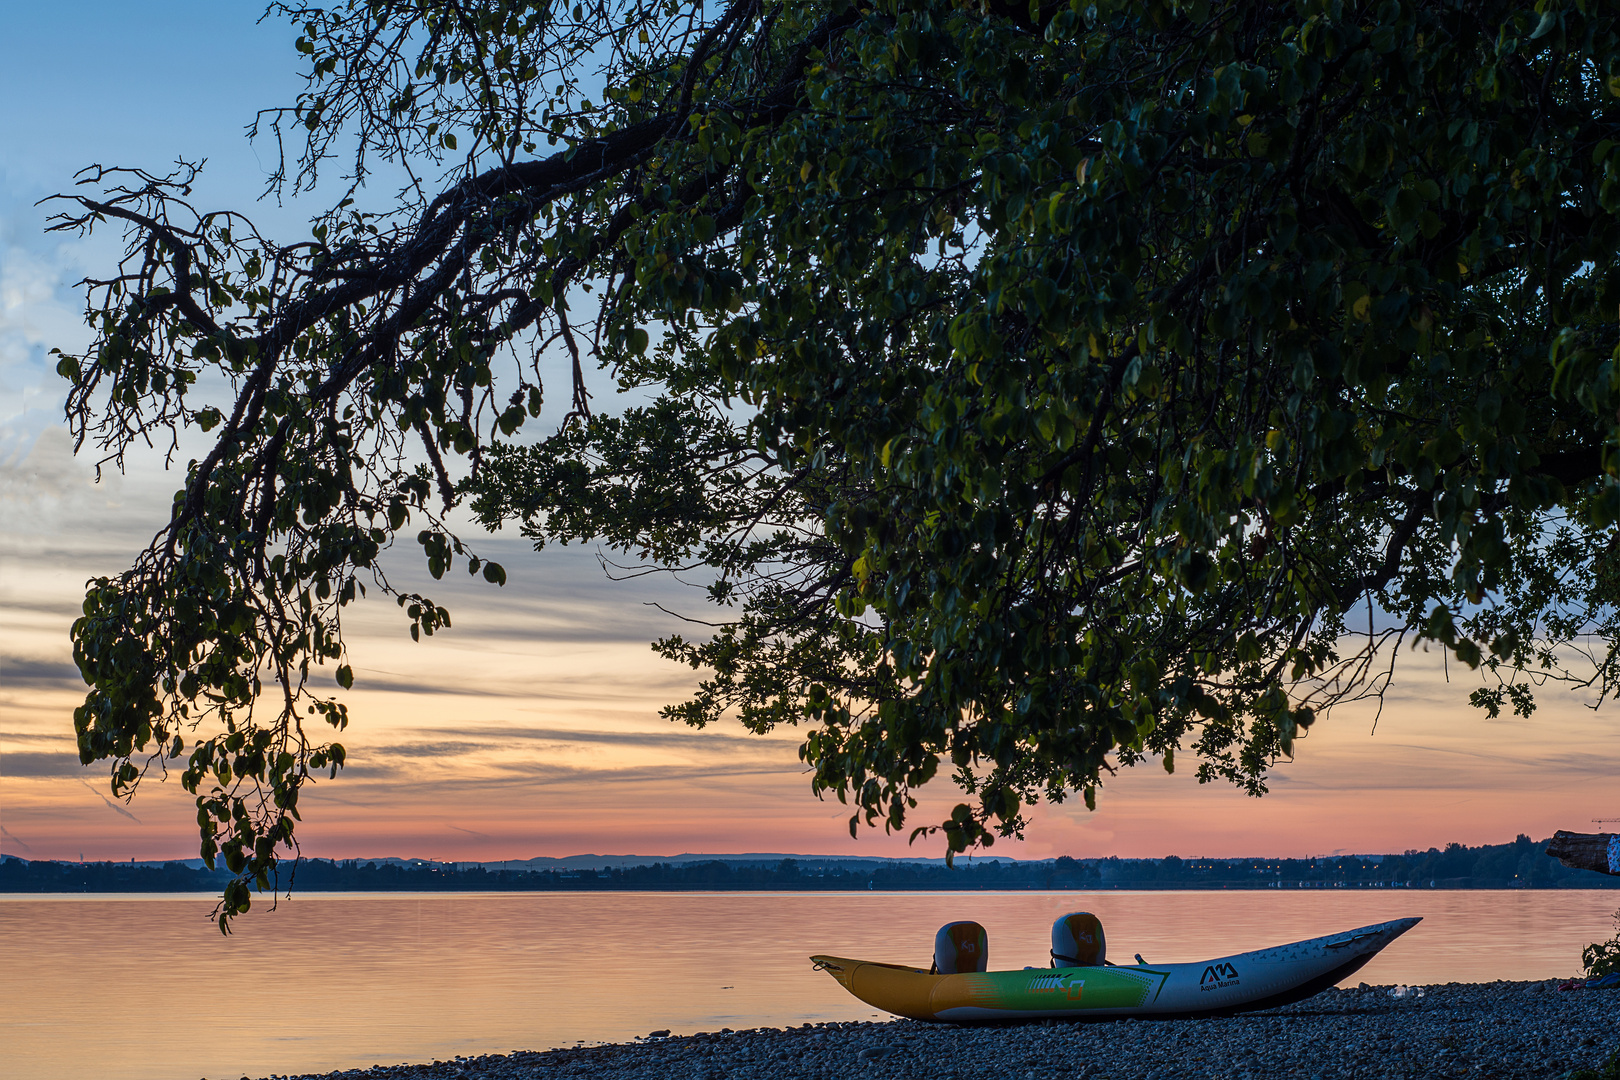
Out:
{"x": 16, "y": 763}
{"x": 37, "y": 311}
{"x": 19, "y": 672}
{"x": 115, "y": 807}
{"x": 683, "y": 737}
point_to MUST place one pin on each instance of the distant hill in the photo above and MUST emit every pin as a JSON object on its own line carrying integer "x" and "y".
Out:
{"x": 598, "y": 862}
{"x": 1521, "y": 864}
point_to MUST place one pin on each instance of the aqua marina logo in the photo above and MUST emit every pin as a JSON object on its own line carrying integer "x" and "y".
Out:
{"x": 1052, "y": 984}
{"x": 1218, "y": 976}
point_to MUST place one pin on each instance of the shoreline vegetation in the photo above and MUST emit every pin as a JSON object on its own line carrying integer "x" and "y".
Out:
{"x": 1521, "y": 864}
{"x": 1504, "y": 1030}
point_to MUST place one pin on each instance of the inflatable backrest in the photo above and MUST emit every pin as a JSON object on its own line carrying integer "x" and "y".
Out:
{"x": 961, "y": 947}
{"x": 1077, "y": 941}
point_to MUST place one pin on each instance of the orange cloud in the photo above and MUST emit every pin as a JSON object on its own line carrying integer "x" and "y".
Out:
{"x": 531, "y": 728}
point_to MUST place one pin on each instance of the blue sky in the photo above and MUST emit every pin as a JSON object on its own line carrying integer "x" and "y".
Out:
{"x": 114, "y": 84}
{"x": 134, "y": 84}
{"x": 532, "y": 728}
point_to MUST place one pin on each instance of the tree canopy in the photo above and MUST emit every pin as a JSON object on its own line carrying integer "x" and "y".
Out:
{"x": 1040, "y": 388}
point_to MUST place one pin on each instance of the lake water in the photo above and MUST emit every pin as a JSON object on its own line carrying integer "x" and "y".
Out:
{"x": 138, "y": 987}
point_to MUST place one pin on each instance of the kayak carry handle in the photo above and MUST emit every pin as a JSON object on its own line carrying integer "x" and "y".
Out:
{"x": 1351, "y": 940}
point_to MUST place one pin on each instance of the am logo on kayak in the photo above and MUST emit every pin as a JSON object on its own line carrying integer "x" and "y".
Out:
{"x": 1073, "y": 985}
{"x": 1218, "y": 977}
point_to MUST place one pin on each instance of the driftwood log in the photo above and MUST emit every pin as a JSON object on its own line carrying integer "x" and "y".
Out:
{"x": 1586, "y": 851}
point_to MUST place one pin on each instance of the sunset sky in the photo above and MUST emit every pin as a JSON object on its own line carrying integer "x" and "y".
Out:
{"x": 532, "y": 727}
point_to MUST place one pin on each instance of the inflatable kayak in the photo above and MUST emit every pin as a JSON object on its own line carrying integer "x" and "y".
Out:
{"x": 1252, "y": 980}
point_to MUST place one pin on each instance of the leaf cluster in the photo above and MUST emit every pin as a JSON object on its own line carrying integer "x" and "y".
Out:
{"x": 1034, "y": 389}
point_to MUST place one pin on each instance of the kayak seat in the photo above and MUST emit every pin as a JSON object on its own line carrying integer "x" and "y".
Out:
{"x": 1077, "y": 941}
{"x": 961, "y": 947}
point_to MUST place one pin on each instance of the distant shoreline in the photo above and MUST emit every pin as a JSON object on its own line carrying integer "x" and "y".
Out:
{"x": 210, "y": 886}
{"x": 296, "y": 890}
{"x": 1522, "y": 864}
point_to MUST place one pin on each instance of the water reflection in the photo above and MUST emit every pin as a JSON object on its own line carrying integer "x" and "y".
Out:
{"x": 145, "y": 987}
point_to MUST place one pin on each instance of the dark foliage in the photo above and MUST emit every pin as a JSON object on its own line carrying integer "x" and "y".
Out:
{"x": 1037, "y": 389}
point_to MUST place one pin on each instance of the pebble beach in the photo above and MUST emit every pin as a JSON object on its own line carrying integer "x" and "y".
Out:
{"x": 1499, "y": 1030}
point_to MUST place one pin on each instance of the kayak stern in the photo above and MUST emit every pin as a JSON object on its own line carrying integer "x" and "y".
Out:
{"x": 894, "y": 988}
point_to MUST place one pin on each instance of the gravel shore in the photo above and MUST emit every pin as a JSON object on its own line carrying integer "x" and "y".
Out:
{"x": 1498, "y": 1030}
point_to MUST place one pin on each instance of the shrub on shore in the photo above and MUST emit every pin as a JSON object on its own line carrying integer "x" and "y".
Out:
{"x": 1603, "y": 957}
{"x": 1609, "y": 1071}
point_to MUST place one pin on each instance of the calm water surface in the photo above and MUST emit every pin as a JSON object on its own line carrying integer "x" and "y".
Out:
{"x": 145, "y": 987}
